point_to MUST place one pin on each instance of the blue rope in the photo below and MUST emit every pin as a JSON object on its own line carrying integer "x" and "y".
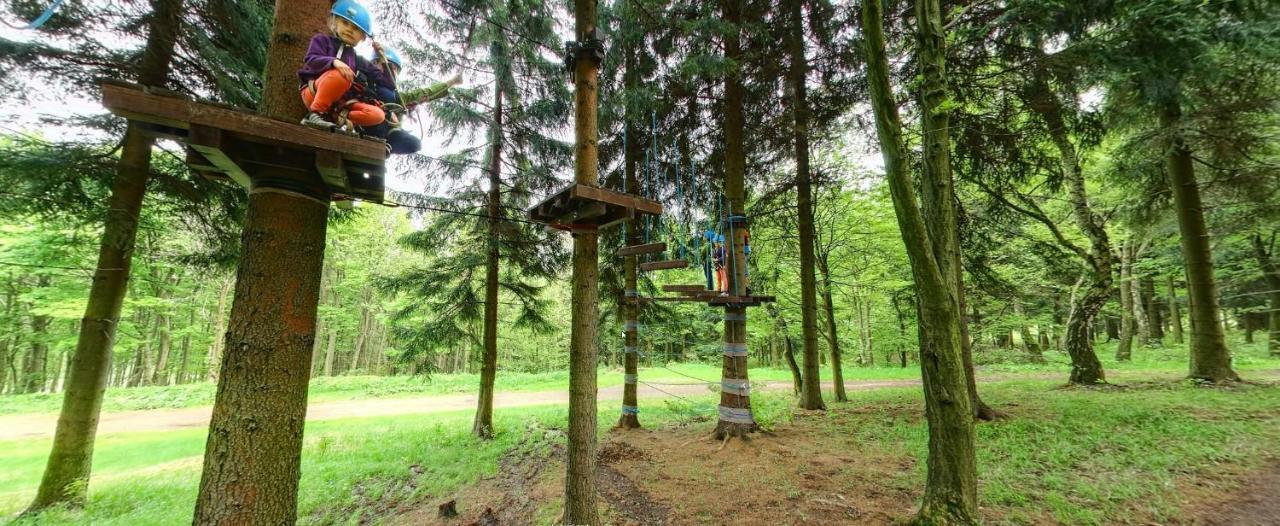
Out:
{"x": 40, "y": 20}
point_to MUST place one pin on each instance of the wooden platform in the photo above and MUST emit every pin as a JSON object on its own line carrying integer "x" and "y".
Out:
{"x": 635, "y": 250}
{"x": 663, "y": 265}
{"x": 744, "y": 301}
{"x": 221, "y": 140}
{"x": 684, "y": 288}
{"x": 580, "y": 205}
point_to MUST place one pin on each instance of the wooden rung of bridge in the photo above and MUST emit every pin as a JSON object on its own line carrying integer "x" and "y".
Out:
{"x": 684, "y": 288}
{"x": 635, "y": 250}
{"x": 663, "y": 265}
{"x": 222, "y": 140}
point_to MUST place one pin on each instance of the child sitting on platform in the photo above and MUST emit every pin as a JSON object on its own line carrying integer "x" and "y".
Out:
{"x": 330, "y": 67}
{"x": 397, "y": 104}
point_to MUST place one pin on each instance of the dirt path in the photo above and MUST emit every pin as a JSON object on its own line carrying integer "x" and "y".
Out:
{"x": 1255, "y": 503}
{"x": 42, "y": 425}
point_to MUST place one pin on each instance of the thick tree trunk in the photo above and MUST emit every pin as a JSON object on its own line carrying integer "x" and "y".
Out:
{"x": 483, "y": 425}
{"x": 951, "y": 481}
{"x": 811, "y": 396}
{"x": 735, "y": 398}
{"x": 253, "y": 453}
{"x": 1175, "y": 312}
{"x": 1210, "y": 358}
{"x": 1265, "y": 252}
{"x": 1030, "y": 344}
{"x": 580, "y": 476}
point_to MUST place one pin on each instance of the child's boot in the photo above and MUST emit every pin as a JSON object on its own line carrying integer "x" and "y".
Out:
{"x": 316, "y": 120}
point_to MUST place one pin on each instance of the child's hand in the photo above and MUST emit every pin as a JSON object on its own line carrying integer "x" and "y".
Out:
{"x": 344, "y": 69}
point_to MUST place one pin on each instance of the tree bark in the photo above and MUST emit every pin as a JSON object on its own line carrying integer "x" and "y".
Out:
{"x": 1085, "y": 366}
{"x": 1124, "y": 349}
{"x": 630, "y": 417}
{"x": 580, "y": 487}
{"x": 951, "y": 480}
{"x": 66, "y": 474}
{"x": 811, "y": 396}
{"x": 1210, "y": 358}
{"x": 1175, "y": 312}
{"x": 735, "y": 419}
{"x": 1265, "y": 253}
{"x": 483, "y": 425}
{"x": 833, "y": 337}
{"x": 253, "y": 452}
{"x": 1151, "y": 303}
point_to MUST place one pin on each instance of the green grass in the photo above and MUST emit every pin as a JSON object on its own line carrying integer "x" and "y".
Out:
{"x": 151, "y": 478}
{"x": 326, "y": 389}
{"x": 1083, "y": 455}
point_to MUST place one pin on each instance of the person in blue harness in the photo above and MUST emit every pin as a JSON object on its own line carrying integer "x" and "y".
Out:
{"x": 398, "y": 104}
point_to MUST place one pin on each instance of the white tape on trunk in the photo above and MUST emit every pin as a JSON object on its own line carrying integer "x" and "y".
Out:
{"x": 736, "y": 415}
{"x": 735, "y": 349}
{"x": 738, "y": 387}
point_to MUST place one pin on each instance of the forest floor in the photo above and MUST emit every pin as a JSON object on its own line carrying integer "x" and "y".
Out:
{"x": 1148, "y": 449}
{"x": 1145, "y": 453}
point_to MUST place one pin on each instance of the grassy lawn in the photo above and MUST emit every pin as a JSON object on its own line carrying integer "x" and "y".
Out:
{"x": 1169, "y": 359}
{"x": 1079, "y": 456}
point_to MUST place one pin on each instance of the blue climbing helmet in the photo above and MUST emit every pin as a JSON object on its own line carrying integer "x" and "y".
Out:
{"x": 711, "y": 236}
{"x": 392, "y": 57}
{"x": 355, "y": 13}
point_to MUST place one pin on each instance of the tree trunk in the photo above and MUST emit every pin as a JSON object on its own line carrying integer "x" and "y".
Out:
{"x": 1032, "y": 346}
{"x": 483, "y": 425}
{"x": 1265, "y": 253}
{"x": 1210, "y": 358}
{"x": 66, "y": 474}
{"x": 1124, "y": 349}
{"x": 833, "y": 337}
{"x": 253, "y": 452}
{"x": 580, "y": 487}
{"x": 951, "y": 480}
{"x": 164, "y": 328}
{"x": 214, "y": 359}
{"x": 735, "y": 398}
{"x": 811, "y": 396}
{"x": 630, "y": 417}
{"x": 180, "y": 377}
{"x": 36, "y": 367}
{"x": 1175, "y": 312}
{"x": 1151, "y": 303}
{"x": 1085, "y": 366}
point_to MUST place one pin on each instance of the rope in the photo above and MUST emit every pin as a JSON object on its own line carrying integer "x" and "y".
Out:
{"x": 673, "y": 395}
{"x": 40, "y": 20}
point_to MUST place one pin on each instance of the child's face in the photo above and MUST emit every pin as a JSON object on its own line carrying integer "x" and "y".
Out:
{"x": 348, "y": 32}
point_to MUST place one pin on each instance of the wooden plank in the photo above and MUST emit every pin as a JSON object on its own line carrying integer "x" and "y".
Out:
{"x": 651, "y": 248}
{"x": 676, "y": 299}
{"x": 629, "y": 201}
{"x": 685, "y": 288}
{"x": 741, "y": 300}
{"x": 329, "y": 164}
{"x": 135, "y": 103}
{"x": 210, "y": 143}
{"x": 663, "y": 265}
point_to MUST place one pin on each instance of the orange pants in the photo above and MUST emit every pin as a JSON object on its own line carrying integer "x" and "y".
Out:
{"x": 721, "y": 284}
{"x": 323, "y": 93}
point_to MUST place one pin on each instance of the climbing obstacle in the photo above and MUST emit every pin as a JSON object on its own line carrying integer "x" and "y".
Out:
{"x": 637, "y": 250}
{"x": 580, "y": 206}
{"x": 221, "y": 140}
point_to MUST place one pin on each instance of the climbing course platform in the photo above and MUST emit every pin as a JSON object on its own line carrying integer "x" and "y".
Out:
{"x": 221, "y": 140}
{"x": 662, "y": 265}
{"x": 636, "y": 250}
{"x": 585, "y": 206}
{"x": 739, "y": 301}
{"x": 684, "y": 288}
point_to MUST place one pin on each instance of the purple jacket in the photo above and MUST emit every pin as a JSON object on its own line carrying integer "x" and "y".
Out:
{"x": 319, "y": 59}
